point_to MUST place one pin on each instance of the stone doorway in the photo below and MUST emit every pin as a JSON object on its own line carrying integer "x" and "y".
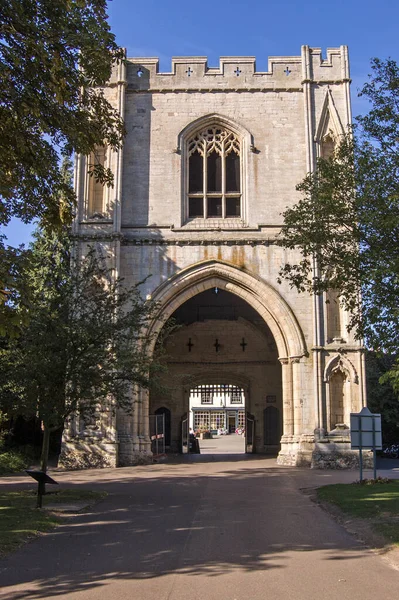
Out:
{"x": 220, "y": 348}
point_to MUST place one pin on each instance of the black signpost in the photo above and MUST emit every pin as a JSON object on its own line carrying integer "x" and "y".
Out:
{"x": 42, "y": 478}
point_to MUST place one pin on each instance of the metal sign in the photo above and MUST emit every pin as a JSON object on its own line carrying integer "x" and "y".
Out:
{"x": 366, "y": 435}
{"x": 42, "y": 478}
{"x": 366, "y": 430}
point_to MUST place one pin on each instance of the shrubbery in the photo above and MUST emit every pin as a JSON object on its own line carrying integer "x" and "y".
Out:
{"x": 12, "y": 462}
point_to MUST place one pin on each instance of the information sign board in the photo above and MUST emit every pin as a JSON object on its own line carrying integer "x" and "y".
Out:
{"x": 366, "y": 430}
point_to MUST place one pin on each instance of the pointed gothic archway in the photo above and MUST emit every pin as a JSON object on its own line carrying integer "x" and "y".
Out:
{"x": 262, "y": 298}
{"x": 260, "y": 295}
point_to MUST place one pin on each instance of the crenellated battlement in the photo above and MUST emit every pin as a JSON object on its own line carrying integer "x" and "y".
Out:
{"x": 238, "y": 73}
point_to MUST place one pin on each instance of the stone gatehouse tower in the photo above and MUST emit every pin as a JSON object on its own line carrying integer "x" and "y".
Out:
{"x": 210, "y": 161}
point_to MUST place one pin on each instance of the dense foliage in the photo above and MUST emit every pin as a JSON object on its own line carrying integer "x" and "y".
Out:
{"x": 82, "y": 343}
{"x": 54, "y": 57}
{"x": 381, "y": 397}
{"x": 347, "y": 222}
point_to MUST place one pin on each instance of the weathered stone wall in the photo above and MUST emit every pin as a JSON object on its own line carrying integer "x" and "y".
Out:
{"x": 281, "y": 117}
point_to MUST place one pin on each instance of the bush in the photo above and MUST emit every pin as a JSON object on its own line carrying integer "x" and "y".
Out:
{"x": 12, "y": 462}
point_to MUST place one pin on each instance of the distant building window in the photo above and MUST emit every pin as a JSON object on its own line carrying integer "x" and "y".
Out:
{"x": 236, "y": 396}
{"x": 214, "y": 178}
{"x": 206, "y": 395}
{"x": 218, "y": 419}
{"x": 218, "y": 394}
{"x": 201, "y": 419}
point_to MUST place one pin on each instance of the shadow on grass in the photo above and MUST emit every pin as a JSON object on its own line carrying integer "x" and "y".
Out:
{"x": 20, "y": 520}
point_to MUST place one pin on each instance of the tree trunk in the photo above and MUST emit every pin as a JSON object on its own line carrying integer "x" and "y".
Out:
{"x": 45, "y": 448}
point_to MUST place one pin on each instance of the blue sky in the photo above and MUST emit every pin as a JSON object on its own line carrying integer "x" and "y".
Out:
{"x": 260, "y": 28}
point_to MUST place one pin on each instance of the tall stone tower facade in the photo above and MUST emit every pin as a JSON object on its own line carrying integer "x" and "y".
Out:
{"x": 210, "y": 161}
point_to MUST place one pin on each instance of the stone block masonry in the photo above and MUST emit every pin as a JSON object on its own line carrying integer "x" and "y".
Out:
{"x": 186, "y": 221}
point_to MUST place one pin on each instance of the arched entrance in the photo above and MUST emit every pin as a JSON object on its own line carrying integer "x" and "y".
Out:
{"x": 222, "y": 362}
{"x": 230, "y": 324}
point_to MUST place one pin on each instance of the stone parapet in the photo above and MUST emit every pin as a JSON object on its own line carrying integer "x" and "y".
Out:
{"x": 237, "y": 73}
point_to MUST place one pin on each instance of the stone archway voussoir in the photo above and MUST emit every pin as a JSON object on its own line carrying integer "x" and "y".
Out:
{"x": 270, "y": 305}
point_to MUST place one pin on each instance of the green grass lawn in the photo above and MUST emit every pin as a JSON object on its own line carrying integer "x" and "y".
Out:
{"x": 378, "y": 503}
{"x": 21, "y": 521}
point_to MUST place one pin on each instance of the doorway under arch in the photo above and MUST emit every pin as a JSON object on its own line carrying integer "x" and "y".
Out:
{"x": 221, "y": 351}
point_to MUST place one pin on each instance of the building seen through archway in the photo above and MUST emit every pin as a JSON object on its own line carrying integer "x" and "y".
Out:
{"x": 211, "y": 159}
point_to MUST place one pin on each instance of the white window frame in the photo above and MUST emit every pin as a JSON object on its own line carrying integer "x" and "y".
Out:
{"x": 238, "y": 396}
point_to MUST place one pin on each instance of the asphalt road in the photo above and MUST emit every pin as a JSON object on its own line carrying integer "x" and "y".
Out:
{"x": 215, "y": 530}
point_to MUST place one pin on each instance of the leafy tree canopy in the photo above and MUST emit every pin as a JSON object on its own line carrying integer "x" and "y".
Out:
{"x": 381, "y": 397}
{"x": 15, "y": 289}
{"x": 83, "y": 342}
{"x": 347, "y": 223}
{"x": 55, "y": 55}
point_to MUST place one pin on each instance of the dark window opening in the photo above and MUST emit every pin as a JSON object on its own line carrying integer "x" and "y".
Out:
{"x": 233, "y": 207}
{"x": 232, "y": 172}
{"x": 196, "y": 178}
{"x": 215, "y": 207}
{"x": 214, "y": 173}
{"x": 196, "y": 207}
{"x": 214, "y": 177}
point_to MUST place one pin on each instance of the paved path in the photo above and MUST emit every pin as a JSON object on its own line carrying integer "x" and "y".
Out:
{"x": 223, "y": 444}
{"x": 231, "y": 530}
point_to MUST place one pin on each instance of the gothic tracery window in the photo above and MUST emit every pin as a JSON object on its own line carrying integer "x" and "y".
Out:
{"x": 214, "y": 179}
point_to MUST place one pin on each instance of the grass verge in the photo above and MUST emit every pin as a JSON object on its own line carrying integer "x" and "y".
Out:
{"x": 20, "y": 521}
{"x": 375, "y": 502}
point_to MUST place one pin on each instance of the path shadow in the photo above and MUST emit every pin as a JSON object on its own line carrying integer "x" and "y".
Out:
{"x": 243, "y": 520}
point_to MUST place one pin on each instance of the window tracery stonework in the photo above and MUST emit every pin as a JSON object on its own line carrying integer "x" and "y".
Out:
{"x": 214, "y": 139}
{"x": 214, "y": 174}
